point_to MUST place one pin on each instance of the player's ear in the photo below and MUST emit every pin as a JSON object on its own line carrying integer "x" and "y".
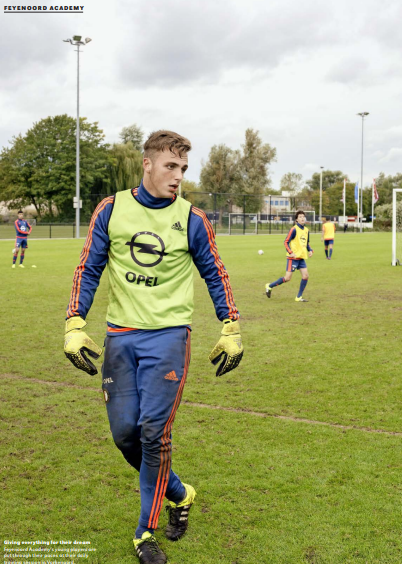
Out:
{"x": 147, "y": 164}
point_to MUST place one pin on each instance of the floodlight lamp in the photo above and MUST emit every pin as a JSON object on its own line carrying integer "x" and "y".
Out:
{"x": 77, "y": 37}
{"x": 88, "y": 39}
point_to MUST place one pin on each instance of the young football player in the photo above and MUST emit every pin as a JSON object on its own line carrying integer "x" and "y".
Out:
{"x": 150, "y": 238}
{"x": 328, "y": 236}
{"x": 297, "y": 244}
{"x": 22, "y": 230}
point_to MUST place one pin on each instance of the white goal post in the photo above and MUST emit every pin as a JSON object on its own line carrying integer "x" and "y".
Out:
{"x": 239, "y": 221}
{"x": 396, "y": 228}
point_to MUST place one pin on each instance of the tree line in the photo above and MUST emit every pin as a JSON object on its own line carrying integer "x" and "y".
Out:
{"x": 39, "y": 168}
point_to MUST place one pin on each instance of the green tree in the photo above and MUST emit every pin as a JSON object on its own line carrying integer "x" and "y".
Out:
{"x": 332, "y": 187}
{"x": 188, "y": 186}
{"x": 16, "y": 186}
{"x": 40, "y": 167}
{"x": 385, "y": 185}
{"x": 255, "y": 160}
{"x": 234, "y": 177}
{"x": 292, "y": 183}
{"x": 221, "y": 177}
{"x": 221, "y": 173}
{"x": 193, "y": 193}
{"x": 134, "y": 134}
{"x": 125, "y": 168}
{"x": 329, "y": 177}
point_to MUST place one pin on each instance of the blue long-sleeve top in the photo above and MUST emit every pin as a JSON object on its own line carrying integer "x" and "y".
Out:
{"x": 22, "y": 228}
{"x": 292, "y": 234}
{"x": 202, "y": 247}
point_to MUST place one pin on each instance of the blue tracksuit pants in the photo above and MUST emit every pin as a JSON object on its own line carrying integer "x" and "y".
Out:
{"x": 144, "y": 373}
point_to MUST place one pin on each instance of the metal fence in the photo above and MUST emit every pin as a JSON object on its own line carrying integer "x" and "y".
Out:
{"x": 244, "y": 214}
{"x": 45, "y": 231}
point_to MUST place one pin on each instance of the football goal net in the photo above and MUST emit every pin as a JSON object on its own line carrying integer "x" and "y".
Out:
{"x": 397, "y": 226}
{"x": 243, "y": 223}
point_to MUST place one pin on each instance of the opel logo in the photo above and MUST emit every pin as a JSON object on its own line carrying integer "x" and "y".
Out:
{"x": 146, "y": 243}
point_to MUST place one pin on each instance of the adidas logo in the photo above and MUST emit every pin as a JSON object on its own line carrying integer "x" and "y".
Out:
{"x": 171, "y": 376}
{"x": 177, "y": 226}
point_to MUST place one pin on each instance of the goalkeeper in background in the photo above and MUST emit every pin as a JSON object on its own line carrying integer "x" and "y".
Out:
{"x": 150, "y": 238}
{"x": 327, "y": 237}
{"x": 297, "y": 244}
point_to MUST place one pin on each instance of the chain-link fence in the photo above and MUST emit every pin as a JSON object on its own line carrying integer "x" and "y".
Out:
{"x": 248, "y": 214}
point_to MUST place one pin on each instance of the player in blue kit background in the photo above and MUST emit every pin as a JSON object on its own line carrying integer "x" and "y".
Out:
{"x": 297, "y": 244}
{"x": 22, "y": 230}
{"x": 150, "y": 239}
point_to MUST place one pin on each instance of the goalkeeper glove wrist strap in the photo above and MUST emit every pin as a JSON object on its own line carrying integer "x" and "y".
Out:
{"x": 230, "y": 327}
{"x": 75, "y": 323}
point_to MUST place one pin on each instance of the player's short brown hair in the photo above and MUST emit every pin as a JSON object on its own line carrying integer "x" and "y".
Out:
{"x": 299, "y": 212}
{"x": 163, "y": 139}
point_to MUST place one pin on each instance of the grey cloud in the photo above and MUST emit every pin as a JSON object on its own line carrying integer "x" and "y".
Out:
{"x": 383, "y": 24}
{"x": 179, "y": 42}
{"x": 31, "y": 44}
{"x": 364, "y": 71}
{"x": 390, "y": 136}
{"x": 393, "y": 155}
{"x": 349, "y": 70}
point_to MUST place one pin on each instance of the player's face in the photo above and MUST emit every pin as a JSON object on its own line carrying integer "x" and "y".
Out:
{"x": 20, "y": 216}
{"x": 164, "y": 172}
{"x": 301, "y": 219}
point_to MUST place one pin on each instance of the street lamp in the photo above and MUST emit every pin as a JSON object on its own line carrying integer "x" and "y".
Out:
{"x": 320, "y": 214}
{"x": 363, "y": 115}
{"x": 77, "y": 41}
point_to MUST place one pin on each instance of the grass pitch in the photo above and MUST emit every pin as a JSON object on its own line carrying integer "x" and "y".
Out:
{"x": 295, "y": 456}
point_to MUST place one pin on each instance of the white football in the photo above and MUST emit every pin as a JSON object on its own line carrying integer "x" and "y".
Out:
{"x": 14, "y": 251}
{"x": 260, "y": 252}
{"x": 34, "y": 266}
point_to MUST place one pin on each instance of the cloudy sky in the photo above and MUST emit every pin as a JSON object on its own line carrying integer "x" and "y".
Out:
{"x": 299, "y": 72}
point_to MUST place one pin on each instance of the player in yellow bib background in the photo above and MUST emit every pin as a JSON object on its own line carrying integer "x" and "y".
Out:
{"x": 328, "y": 236}
{"x": 297, "y": 244}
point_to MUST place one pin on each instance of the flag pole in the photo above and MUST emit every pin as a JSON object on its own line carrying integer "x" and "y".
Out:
{"x": 372, "y": 205}
{"x": 358, "y": 202}
{"x": 374, "y": 201}
{"x": 344, "y": 199}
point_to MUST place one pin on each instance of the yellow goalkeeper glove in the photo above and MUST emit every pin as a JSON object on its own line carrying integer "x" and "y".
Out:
{"x": 229, "y": 349}
{"x": 77, "y": 345}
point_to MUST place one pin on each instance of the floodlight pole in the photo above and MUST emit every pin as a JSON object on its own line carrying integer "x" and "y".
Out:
{"x": 77, "y": 157}
{"x": 320, "y": 213}
{"x": 363, "y": 115}
{"x": 76, "y": 41}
